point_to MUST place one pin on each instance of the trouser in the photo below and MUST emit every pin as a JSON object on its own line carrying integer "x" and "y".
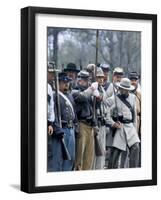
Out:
{"x": 109, "y": 141}
{"x": 108, "y": 156}
{"x": 57, "y": 163}
{"x": 84, "y": 147}
{"x": 134, "y": 152}
{"x": 99, "y": 161}
{"x": 49, "y": 152}
{"x": 124, "y": 159}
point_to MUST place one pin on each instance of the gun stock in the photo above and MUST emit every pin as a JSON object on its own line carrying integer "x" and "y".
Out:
{"x": 98, "y": 148}
{"x": 66, "y": 155}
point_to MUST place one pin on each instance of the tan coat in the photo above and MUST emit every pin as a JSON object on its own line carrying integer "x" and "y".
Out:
{"x": 138, "y": 111}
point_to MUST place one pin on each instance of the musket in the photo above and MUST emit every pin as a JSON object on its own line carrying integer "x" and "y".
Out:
{"x": 98, "y": 148}
{"x": 65, "y": 152}
{"x": 116, "y": 107}
{"x": 115, "y": 114}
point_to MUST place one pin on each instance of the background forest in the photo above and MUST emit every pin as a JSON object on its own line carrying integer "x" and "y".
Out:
{"x": 116, "y": 48}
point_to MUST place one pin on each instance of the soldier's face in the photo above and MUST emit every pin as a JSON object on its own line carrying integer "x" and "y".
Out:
{"x": 72, "y": 75}
{"x": 117, "y": 78}
{"x": 50, "y": 77}
{"x": 63, "y": 86}
{"x": 105, "y": 75}
{"x": 100, "y": 80}
{"x": 123, "y": 91}
{"x": 134, "y": 82}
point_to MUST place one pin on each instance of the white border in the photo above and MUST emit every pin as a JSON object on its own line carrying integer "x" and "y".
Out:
{"x": 62, "y": 178}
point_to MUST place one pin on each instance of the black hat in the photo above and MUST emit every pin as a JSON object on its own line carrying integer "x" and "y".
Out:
{"x": 83, "y": 75}
{"x": 71, "y": 67}
{"x": 133, "y": 75}
{"x": 63, "y": 77}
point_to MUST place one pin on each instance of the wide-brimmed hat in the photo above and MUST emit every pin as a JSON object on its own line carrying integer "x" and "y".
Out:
{"x": 133, "y": 75}
{"x": 63, "y": 77}
{"x": 125, "y": 84}
{"x": 118, "y": 71}
{"x": 71, "y": 67}
{"x": 99, "y": 72}
{"x": 50, "y": 67}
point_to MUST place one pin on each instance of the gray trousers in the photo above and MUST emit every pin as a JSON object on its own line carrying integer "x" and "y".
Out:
{"x": 99, "y": 161}
{"x": 134, "y": 154}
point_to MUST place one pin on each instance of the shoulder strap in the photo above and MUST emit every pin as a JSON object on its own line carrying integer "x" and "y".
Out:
{"x": 127, "y": 104}
{"x": 68, "y": 101}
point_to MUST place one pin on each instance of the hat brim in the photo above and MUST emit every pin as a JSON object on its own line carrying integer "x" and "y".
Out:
{"x": 134, "y": 78}
{"x": 105, "y": 69}
{"x": 50, "y": 70}
{"x": 71, "y": 70}
{"x": 101, "y": 75}
{"x": 65, "y": 80}
{"x": 125, "y": 88}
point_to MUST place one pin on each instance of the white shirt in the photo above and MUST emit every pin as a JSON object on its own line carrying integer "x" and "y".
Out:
{"x": 51, "y": 114}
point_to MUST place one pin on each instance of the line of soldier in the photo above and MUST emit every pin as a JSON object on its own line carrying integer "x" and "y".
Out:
{"x": 100, "y": 120}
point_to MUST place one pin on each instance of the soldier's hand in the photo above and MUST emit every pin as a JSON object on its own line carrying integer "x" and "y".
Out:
{"x": 50, "y": 130}
{"x": 94, "y": 86}
{"x": 117, "y": 125}
{"x": 96, "y": 93}
{"x": 96, "y": 130}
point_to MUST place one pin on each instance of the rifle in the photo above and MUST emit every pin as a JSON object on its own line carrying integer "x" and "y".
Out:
{"x": 98, "y": 148}
{"x": 65, "y": 152}
{"x": 115, "y": 113}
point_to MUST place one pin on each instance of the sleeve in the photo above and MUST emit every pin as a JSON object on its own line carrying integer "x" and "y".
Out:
{"x": 87, "y": 93}
{"x": 109, "y": 91}
{"x": 51, "y": 113}
{"x": 109, "y": 120}
{"x": 135, "y": 112}
{"x": 78, "y": 97}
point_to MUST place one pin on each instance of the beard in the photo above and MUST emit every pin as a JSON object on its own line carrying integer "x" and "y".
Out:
{"x": 123, "y": 95}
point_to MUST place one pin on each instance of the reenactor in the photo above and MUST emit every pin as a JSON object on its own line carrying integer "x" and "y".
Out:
{"x": 99, "y": 109}
{"x": 51, "y": 119}
{"x": 125, "y": 123}
{"x": 50, "y": 114}
{"x": 101, "y": 114}
{"x": 72, "y": 71}
{"x": 108, "y": 86}
{"x": 64, "y": 133}
{"x": 85, "y": 137}
{"x": 134, "y": 78}
{"x": 117, "y": 74}
{"x": 111, "y": 91}
{"x": 50, "y": 75}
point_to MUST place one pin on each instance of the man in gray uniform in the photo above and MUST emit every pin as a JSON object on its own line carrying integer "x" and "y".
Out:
{"x": 111, "y": 90}
{"x": 125, "y": 124}
{"x": 101, "y": 114}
